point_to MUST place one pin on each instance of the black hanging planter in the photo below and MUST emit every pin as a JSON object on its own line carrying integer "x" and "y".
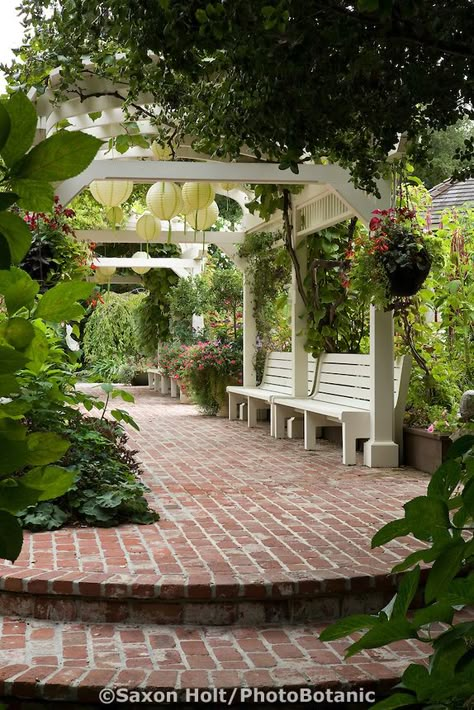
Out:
{"x": 407, "y": 279}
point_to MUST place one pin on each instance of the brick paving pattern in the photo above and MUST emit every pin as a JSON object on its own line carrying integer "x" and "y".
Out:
{"x": 245, "y": 520}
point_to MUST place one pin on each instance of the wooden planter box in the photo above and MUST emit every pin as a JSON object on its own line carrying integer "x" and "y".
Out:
{"x": 424, "y": 450}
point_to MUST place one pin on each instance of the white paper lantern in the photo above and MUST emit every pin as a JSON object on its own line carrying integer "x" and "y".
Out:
{"x": 106, "y": 270}
{"x": 111, "y": 193}
{"x": 148, "y": 227}
{"x": 141, "y": 269}
{"x": 161, "y": 152}
{"x": 228, "y": 186}
{"x": 164, "y": 200}
{"x": 203, "y": 219}
{"x": 115, "y": 215}
{"x": 197, "y": 195}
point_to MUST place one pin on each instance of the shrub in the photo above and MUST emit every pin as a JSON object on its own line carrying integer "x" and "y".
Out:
{"x": 210, "y": 367}
{"x": 107, "y": 490}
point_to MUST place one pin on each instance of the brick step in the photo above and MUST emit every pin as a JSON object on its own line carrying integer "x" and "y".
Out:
{"x": 61, "y": 596}
{"x": 71, "y": 662}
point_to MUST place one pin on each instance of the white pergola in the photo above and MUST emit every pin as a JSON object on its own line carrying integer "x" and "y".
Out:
{"x": 328, "y": 197}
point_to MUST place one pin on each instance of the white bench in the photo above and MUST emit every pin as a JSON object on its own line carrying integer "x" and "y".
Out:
{"x": 158, "y": 381}
{"x": 277, "y": 380}
{"x": 341, "y": 397}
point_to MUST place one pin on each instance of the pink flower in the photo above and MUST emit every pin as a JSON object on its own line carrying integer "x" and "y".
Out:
{"x": 430, "y": 428}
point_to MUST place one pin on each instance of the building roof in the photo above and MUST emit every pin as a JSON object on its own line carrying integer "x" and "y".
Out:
{"x": 450, "y": 194}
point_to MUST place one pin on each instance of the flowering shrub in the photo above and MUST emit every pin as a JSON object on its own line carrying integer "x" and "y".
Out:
{"x": 55, "y": 253}
{"x": 392, "y": 259}
{"x": 210, "y": 367}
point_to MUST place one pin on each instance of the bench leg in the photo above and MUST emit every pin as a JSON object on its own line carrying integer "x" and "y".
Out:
{"x": 242, "y": 410}
{"x": 151, "y": 378}
{"x": 252, "y": 407}
{"x": 280, "y": 415}
{"x": 312, "y": 429}
{"x": 295, "y": 428}
{"x": 165, "y": 384}
{"x": 235, "y": 401}
{"x": 156, "y": 381}
{"x": 354, "y": 426}
{"x": 174, "y": 388}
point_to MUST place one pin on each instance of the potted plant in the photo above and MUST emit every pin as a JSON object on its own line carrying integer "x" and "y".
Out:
{"x": 391, "y": 260}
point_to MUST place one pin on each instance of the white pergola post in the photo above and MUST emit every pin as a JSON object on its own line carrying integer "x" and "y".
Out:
{"x": 381, "y": 450}
{"x": 299, "y": 320}
{"x": 249, "y": 335}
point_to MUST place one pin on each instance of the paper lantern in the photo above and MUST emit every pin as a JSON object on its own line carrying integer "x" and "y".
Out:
{"x": 111, "y": 193}
{"x": 164, "y": 200}
{"x": 203, "y": 219}
{"x": 148, "y": 227}
{"x": 197, "y": 195}
{"x": 106, "y": 270}
{"x": 228, "y": 186}
{"x": 115, "y": 215}
{"x": 161, "y": 152}
{"x": 140, "y": 269}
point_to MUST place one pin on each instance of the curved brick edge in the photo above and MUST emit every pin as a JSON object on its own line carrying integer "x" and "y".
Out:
{"x": 41, "y": 596}
{"x": 80, "y": 685}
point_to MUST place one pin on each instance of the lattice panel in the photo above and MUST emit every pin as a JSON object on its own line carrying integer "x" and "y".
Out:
{"x": 322, "y": 212}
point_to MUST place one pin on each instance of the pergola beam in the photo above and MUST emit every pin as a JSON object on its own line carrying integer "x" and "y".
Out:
{"x": 178, "y": 236}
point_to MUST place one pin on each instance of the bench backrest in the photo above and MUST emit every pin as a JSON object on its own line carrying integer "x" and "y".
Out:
{"x": 277, "y": 374}
{"x": 345, "y": 379}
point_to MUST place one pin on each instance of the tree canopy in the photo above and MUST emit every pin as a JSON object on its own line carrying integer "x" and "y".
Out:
{"x": 292, "y": 80}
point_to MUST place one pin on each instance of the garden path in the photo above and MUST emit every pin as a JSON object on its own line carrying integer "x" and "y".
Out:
{"x": 255, "y": 533}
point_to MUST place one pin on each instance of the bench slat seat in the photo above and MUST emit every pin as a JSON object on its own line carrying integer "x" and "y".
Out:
{"x": 277, "y": 381}
{"x": 342, "y": 396}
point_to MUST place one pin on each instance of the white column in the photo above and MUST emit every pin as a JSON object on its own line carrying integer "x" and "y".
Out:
{"x": 250, "y": 334}
{"x": 298, "y": 324}
{"x": 381, "y": 450}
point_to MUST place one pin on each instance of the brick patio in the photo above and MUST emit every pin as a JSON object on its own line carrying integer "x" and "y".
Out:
{"x": 253, "y": 531}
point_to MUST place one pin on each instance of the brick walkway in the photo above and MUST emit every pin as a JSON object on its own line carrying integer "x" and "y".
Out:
{"x": 253, "y": 531}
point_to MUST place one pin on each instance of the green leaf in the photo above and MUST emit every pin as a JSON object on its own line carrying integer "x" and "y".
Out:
{"x": 345, "y": 627}
{"x": 121, "y": 415}
{"x": 45, "y": 447}
{"x": 17, "y": 234}
{"x": 59, "y": 303}
{"x": 15, "y": 409}
{"x": 23, "y": 127}
{"x": 406, "y": 592}
{"x": 107, "y": 387}
{"x": 18, "y": 332}
{"x": 34, "y": 195}
{"x": 10, "y": 360}
{"x": 396, "y": 528}
{"x": 126, "y": 396}
{"x": 420, "y": 555}
{"x": 445, "y": 479}
{"x": 367, "y": 5}
{"x": 468, "y": 497}
{"x": 445, "y": 568}
{"x": 397, "y": 700}
{"x": 383, "y": 634}
{"x": 59, "y": 157}
{"x": 427, "y": 517}
{"x": 8, "y": 385}
{"x": 14, "y": 496}
{"x": 7, "y": 199}
{"x": 460, "y": 446}
{"x": 51, "y": 481}
{"x": 14, "y": 455}
{"x": 11, "y": 537}
{"x": 5, "y": 125}
{"x": 37, "y": 352}
{"x": 437, "y": 612}
{"x": 18, "y": 289}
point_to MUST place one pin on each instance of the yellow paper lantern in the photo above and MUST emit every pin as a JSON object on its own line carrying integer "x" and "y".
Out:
{"x": 161, "y": 152}
{"x": 228, "y": 186}
{"x": 148, "y": 227}
{"x": 164, "y": 200}
{"x": 203, "y": 219}
{"x": 197, "y": 195}
{"x": 115, "y": 215}
{"x": 141, "y": 269}
{"x": 111, "y": 193}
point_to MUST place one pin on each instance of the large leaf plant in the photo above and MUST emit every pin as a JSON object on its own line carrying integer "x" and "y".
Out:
{"x": 29, "y": 323}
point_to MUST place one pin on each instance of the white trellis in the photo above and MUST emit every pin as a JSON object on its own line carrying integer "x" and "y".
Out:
{"x": 329, "y": 197}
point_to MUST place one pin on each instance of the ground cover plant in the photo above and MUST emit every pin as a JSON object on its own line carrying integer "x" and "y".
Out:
{"x": 442, "y": 521}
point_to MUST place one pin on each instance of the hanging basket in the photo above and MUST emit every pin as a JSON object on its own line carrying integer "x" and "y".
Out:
{"x": 406, "y": 280}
